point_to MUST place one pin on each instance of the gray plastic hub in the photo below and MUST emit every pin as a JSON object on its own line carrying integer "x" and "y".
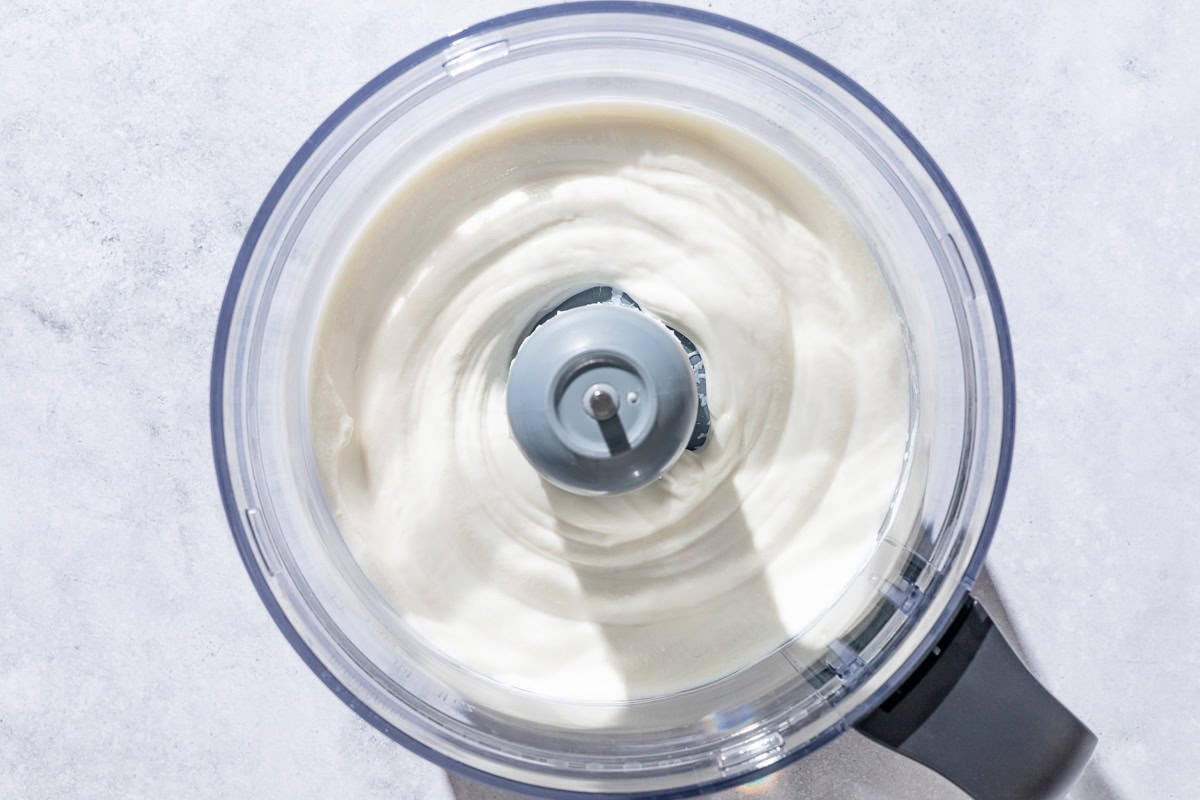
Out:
{"x": 601, "y": 399}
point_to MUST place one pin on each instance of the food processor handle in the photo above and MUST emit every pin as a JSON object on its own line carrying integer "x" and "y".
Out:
{"x": 972, "y": 712}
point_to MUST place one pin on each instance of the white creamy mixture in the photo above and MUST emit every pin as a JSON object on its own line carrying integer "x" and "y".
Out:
{"x": 737, "y": 547}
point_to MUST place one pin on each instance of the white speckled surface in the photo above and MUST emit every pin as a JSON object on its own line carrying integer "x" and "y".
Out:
{"x": 136, "y": 142}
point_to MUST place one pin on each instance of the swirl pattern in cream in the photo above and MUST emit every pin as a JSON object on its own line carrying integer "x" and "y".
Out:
{"x": 739, "y": 546}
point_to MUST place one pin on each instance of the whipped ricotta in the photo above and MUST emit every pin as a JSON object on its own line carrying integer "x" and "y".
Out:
{"x": 734, "y": 550}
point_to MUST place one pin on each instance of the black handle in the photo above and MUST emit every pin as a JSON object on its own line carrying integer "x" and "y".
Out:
{"x": 972, "y": 712}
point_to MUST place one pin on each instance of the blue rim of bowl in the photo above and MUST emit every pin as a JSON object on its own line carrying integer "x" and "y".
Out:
{"x": 217, "y": 383}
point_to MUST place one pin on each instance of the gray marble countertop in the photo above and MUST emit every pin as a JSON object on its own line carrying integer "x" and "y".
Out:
{"x": 136, "y": 142}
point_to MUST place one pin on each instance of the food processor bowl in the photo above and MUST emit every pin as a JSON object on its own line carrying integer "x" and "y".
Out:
{"x": 910, "y": 658}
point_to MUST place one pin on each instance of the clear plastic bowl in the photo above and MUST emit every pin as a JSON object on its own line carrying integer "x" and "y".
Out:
{"x": 775, "y": 710}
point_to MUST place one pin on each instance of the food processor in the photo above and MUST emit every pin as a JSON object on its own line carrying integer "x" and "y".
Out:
{"x": 603, "y": 397}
